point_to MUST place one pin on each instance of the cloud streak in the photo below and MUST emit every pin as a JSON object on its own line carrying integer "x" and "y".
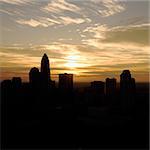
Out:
{"x": 108, "y": 7}
{"x": 111, "y": 7}
{"x": 98, "y": 31}
{"x": 98, "y": 34}
{"x": 15, "y": 2}
{"x": 57, "y": 6}
{"x": 46, "y": 22}
{"x": 35, "y": 23}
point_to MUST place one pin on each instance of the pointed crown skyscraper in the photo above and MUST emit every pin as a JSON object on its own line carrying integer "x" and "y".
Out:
{"x": 45, "y": 70}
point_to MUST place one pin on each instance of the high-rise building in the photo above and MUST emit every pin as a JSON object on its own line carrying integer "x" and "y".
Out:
{"x": 98, "y": 86}
{"x": 45, "y": 70}
{"x": 127, "y": 83}
{"x": 66, "y": 81}
{"x": 127, "y": 89}
{"x": 34, "y": 76}
{"x": 125, "y": 75}
{"x": 110, "y": 86}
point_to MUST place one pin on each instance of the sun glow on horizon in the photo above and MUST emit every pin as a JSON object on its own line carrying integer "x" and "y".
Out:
{"x": 72, "y": 61}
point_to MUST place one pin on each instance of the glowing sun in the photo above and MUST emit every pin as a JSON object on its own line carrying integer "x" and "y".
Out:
{"x": 72, "y": 61}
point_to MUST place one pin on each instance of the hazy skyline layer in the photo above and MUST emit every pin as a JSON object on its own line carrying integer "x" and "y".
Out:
{"x": 93, "y": 39}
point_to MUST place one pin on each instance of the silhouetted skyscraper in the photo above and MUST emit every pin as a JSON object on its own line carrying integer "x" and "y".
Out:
{"x": 125, "y": 75}
{"x": 126, "y": 82}
{"x": 34, "y": 76}
{"x": 110, "y": 86}
{"x": 66, "y": 81}
{"x": 127, "y": 89}
{"x": 45, "y": 70}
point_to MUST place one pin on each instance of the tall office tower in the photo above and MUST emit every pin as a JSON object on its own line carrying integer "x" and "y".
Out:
{"x": 110, "y": 86}
{"x": 127, "y": 83}
{"x": 34, "y": 76}
{"x": 45, "y": 71}
{"x": 127, "y": 89}
{"x": 98, "y": 86}
{"x": 66, "y": 81}
{"x": 125, "y": 75}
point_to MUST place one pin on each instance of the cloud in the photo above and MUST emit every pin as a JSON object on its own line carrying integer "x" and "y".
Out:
{"x": 57, "y": 6}
{"x": 56, "y": 12}
{"x": 54, "y": 21}
{"x": 106, "y": 53}
{"x": 46, "y": 22}
{"x": 138, "y": 34}
{"x": 18, "y": 59}
{"x": 122, "y": 46}
{"x": 58, "y": 52}
{"x": 15, "y": 2}
{"x": 111, "y": 54}
{"x": 109, "y": 7}
{"x": 54, "y": 8}
{"x": 31, "y": 22}
{"x": 101, "y": 33}
{"x": 97, "y": 64}
{"x": 131, "y": 26}
{"x": 98, "y": 31}
{"x": 35, "y": 23}
{"x": 6, "y": 12}
{"x": 69, "y": 20}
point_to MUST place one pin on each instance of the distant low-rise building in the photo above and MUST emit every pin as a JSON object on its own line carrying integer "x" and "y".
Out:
{"x": 6, "y": 84}
{"x": 110, "y": 86}
{"x": 34, "y": 76}
{"x": 66, "y": 81}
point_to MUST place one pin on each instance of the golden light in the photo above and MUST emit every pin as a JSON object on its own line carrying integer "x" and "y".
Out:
{"x": 75, "y": 64}
{"x": 72, "y": 61}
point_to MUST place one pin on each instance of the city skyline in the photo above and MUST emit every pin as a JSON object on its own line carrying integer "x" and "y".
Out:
{"x": 92, "y": 39}
{"x": 101, "y": 115}
{"x": 42, "y": 78}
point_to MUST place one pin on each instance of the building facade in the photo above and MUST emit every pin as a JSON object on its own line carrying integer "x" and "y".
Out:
{"x": 110, "y": 86}
{"x": 45, "y": 71}
{"x": 66, "y": 81}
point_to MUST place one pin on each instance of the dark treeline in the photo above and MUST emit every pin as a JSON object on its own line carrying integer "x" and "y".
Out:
{"x": 40, "y": 115}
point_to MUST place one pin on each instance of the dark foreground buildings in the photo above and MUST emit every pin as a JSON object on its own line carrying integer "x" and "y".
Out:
{"x": 41, "y": 78}
{"x": 34, "y": 77}
{"x": 127, "y": 83}
{"x": 39, "y": 115}
{"x": 98, "y": 86}
{"x": 111, "y": 86}
{"x": 66, "y": 81}
{"x": 127, "y": 89}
